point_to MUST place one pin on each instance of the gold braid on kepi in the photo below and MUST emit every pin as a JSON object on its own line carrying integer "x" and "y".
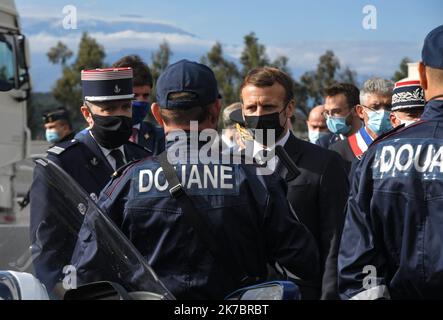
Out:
{"x": 245, "y": 134}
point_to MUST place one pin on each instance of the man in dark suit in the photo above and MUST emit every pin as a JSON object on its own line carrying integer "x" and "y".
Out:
{"x": 90, "y": 159}
{"x": 318, "y": 192}
{"x": 145, "y": 133}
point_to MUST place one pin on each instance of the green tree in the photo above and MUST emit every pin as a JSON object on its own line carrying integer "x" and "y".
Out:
{"x": 281, "y": 62}
{"x": 402, "y": 72}
{"x": 348, "y": 76}
{"x": 253, "y": 55}
{"x": 226, "y": 73}
{"x": 160, "y": 60}
{"x": 60, "y": 53}
{"x": 324, "y": 76}
{"x": 67, "y": 90}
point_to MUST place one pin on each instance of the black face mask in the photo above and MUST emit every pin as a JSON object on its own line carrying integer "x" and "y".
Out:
{"x": 266, "y": 122}
{"x": 111, "y": 131}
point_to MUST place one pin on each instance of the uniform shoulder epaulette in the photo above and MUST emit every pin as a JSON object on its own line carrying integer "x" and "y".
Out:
{"x": 62, "y": 147}
{"x": 117, "y": 173}
{"x": 139, "y": 146}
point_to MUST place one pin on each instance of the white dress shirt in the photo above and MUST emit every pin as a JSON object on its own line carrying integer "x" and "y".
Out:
{"x": 107, "y": 153}
{"x": 272, "y": 163}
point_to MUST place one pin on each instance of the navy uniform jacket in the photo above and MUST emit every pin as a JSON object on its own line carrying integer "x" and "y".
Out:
{"x": 151, "y": 137}
{"x": 84, "y": 161}
{"x": 249, "y": 216}
{"x": 393, "y": 229}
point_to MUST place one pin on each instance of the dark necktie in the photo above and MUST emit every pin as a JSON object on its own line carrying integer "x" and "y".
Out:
{"x": 118, "y": 156}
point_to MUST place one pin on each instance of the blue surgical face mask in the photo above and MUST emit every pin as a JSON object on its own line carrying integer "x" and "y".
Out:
{"x": 379, "y": 121}
{"x": 52, "y": 136}
{"x": 338, "y": 125}
{"x": 139, "y": 111}
{"x": 315, "y": 135}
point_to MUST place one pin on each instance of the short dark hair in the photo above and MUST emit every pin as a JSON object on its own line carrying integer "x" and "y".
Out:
{"x": 266, "y": 77}
{"x": 350, "y": 91}
{"x": 186, "y": 115}
{"x": 141, "y": 74}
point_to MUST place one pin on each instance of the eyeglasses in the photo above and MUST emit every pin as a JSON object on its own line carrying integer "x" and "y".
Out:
{"x": 378, "y": 107}
{"x": 334, "y": 114}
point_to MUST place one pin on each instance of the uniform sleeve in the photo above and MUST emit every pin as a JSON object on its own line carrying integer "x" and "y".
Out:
{"x": 361, "y": 265}
{"x": 289, "y": 242}
{"x": 51, "y": 234}
{"x": 91, "y": 257}
{"x": 333, "y": 194}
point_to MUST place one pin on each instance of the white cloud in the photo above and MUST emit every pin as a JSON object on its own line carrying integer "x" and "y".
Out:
{"x": 375, "y": 58}
{"x": 112, "y": 42}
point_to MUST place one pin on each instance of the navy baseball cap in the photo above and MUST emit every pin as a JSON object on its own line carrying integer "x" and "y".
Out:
{"x": 187, "y": 76}
{"x": 432, "y": 53}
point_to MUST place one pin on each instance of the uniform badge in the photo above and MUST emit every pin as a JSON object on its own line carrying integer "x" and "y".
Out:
{"x": 146, "y": 136}
{"x": 94, "y": 161}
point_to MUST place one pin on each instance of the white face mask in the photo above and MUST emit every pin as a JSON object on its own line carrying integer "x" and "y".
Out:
{"x": 405, "y": 122}
{"x": 315, "y": 135}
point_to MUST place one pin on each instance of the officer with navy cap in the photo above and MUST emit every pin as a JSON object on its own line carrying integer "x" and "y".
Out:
{"x": 408, "y": 103}
{"x": 58, "y": 126}
{"x": 392, "y": 239}
{"x": 206, "y": 228}
{"x": 90, "y": 158}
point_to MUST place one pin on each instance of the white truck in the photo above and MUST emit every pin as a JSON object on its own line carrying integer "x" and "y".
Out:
{"x": 14, "y": 93}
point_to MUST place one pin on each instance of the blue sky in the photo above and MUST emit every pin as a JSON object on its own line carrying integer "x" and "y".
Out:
{"x": 277, "y": 21}
{"x": 302, "y": 30}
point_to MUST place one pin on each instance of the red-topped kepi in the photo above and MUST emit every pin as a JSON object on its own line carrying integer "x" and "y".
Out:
{"x": 107, "y": 84}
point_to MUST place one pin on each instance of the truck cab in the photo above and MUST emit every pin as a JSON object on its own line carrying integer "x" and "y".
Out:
{"x": 15, "y": 86}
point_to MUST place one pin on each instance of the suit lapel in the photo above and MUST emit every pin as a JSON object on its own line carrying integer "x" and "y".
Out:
{"x": 292, "y": 149}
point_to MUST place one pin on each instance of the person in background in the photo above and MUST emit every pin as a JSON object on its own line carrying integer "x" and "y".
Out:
{"x": 230, "y": 134}
{"x": 144, "y": 132}
{"x": 408, "y": 103}
{"x": 317, "y": 124}
{"x": 340, "y": 114}
{"x": 374, "y": 109}
{"x": 58, "y": 126}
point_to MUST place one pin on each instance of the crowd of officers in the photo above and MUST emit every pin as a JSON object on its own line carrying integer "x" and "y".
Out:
{"x": 353, "y": 213}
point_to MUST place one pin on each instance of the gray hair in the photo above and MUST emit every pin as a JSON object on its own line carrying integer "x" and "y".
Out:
{"x": 376, "y": 85}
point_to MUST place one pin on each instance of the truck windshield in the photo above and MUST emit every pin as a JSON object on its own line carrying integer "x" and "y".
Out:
{"x": 7, "y": 61}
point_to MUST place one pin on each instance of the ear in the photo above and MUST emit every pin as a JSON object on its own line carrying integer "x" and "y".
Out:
{"x": 422, "y": 74}
{"x": 290, "y": 109}
{"x": 87, "y": 115}
{"x": 394, "y": 120}
{"x": 155, "y": 109}
{"x": 359, "y": 111}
